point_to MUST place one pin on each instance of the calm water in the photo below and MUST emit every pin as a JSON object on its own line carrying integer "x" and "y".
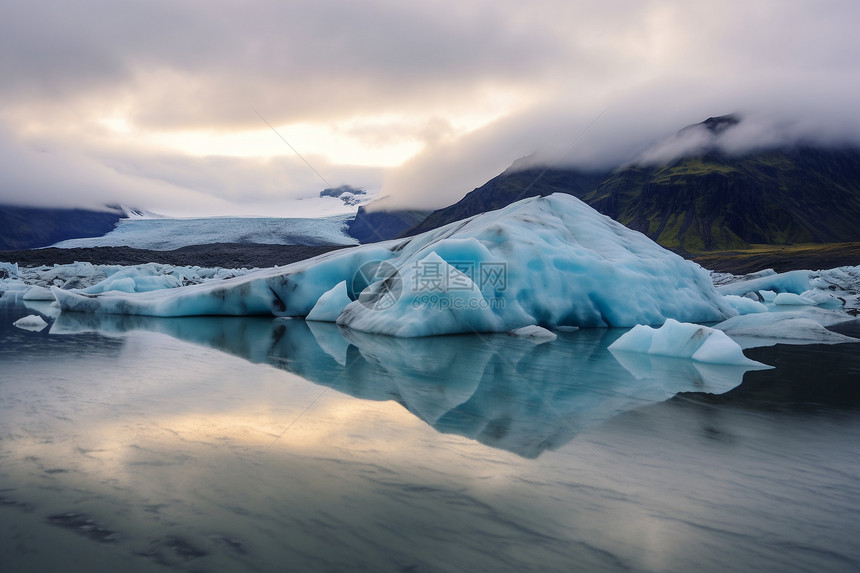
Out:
{"x": 218, "y": 444}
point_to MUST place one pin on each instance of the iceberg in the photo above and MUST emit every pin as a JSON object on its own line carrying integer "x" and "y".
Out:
{"x": 792, "y": 299}
{"x": 683, "y": 340}
{"x": 31, "y": 322}
{"x": 800, "y": 325}
{"x": 745, "y": 305}
{"x": 8, "y": 270}
{"x": 794, "y": 282}
{"x": 38, "y": 293}
{"x": 536, "y": 333}
{"x": 547, "y": 261}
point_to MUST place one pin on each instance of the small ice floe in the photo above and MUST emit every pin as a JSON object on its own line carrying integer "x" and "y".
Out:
{"x": 745, "y": 305}
{"x": 799, "y": 325}
{"x": 31, "y": 322}
{"x": 535, "y": 333}
{"x": 789, "y": 298}
{"x": 684, "y": 340}
{"x": 38, "y": 293}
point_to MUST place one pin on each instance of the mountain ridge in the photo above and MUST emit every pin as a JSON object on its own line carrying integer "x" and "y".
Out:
{"x": 706, "y": 200}
{"x": 34, "y": 227}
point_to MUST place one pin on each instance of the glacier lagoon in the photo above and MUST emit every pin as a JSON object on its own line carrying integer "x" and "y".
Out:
{"x": 268, "y": 444}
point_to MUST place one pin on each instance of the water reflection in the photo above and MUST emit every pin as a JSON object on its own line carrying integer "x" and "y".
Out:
{"x": 503, "y": 391}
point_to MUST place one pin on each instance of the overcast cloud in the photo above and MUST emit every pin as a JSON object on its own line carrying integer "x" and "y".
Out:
{"x": 155, "y": 103}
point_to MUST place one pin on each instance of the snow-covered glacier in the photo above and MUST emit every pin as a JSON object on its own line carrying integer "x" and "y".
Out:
{"x": 550, "y": 261}
{"x": 164, "y": 234}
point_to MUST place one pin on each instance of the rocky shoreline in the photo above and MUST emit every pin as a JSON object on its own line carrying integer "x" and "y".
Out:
{"x": 241, "y": 255}
{"x": 225, "y": 255}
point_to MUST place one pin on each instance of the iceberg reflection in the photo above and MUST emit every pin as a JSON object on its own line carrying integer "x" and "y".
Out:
{"x": 503, "y": 391}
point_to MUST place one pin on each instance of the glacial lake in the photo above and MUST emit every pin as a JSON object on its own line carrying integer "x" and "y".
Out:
{"x": 259, "y": 444}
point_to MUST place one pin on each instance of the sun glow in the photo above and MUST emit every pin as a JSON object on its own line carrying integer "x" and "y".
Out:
{"x": 373, "y": 141}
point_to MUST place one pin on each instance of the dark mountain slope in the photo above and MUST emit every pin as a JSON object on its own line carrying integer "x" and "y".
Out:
{"x": 509, "y": 187}
{"x": 702, "y": 202}
{"x": 375, "y": 226}
{"x": 31, "y": 227}
{"x": 715, "y": 201}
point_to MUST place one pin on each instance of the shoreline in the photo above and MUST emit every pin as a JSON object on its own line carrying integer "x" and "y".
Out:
{"x": 249, "y": 255}
{"x": 224, "y": 255}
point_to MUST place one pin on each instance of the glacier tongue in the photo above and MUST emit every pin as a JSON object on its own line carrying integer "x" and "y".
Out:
{"x": 551, "y": 261}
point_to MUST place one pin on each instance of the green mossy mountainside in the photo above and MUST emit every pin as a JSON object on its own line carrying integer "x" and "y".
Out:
{"x": 717, "y": 202}
{"x": 706, "y": 202}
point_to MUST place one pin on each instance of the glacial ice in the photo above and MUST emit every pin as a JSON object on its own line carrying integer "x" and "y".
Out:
{"x": 31, "y": 322}
{"x": 766, "y": 295}
{"x": 797, "y": 325}
{"x": 684, "y": 340}
{"x": 8, "y": 270}
{"x": 38, "y": 293}
{"x": 793, "y": 282}
{"x": 792, "y": 299}
{"x": 164, "y": 234}
{"x": 536, "y": 333}
{"x": 329, "y": 306}
{"x": 745, "y": 305}
{"x": 548, "y": 261}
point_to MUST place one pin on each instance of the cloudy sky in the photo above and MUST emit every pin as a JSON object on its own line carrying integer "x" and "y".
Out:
{"x": 167, "y": 104}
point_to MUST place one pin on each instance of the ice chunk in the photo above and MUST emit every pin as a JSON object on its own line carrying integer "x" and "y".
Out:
{"x": 801, "y": 325}
{"x": 534, "y": 332}
{"x": 31, "y": 322}
{"x": 550, "y": 261}
{"x": 684, "y": 340}
{"x": 793, "y": 281}
{"x": 330, "y": 304}
{"x": 745, "y": 305}
{"x": 38, "y": 293}
{"x": 767, "y": 295}
{"x": 821, "y": 298}
{"x": 8, "y": 270}
{"x": 143, "y": 278}
{"x": 789, "y": 298}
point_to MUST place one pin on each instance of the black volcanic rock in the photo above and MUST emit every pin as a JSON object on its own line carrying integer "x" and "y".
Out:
{"x": 32, "y": 227}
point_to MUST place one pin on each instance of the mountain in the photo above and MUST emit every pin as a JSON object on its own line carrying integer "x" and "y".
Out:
{"x": 509, "y": 187}
{"x": 716, "y": 201}
{"x": 706, "y": 200}
{"x": 32, "y": 227}
{"x": 380, "y": 224}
